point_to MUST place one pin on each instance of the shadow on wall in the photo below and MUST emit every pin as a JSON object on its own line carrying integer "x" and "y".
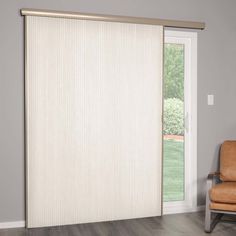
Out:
{"x": 202, "y": 181}
{"x": 215, "y": 166}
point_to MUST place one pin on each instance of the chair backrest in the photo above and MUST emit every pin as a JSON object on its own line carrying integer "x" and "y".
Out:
{"x": 228, "y": 161}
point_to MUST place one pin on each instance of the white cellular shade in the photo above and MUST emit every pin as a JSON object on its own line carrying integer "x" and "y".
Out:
{"x": 93, "y": 120}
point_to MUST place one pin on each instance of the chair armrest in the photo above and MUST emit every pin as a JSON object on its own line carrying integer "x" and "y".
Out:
{"x": 214, "y": 174}
{"x": 212, "y": 179}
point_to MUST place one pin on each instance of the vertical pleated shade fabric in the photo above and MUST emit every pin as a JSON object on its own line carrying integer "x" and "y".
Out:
{"x": 93, "y": 120}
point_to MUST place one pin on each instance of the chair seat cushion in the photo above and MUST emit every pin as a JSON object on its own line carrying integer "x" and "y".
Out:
{"x": 222, "y": 206}
{"x": 224, "y": 193}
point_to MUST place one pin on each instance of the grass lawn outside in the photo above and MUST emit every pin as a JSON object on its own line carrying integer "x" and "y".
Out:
{"x": 173, "y": 170}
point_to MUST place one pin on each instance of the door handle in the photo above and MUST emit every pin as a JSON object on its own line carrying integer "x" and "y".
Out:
{"x": 186, "y": 122}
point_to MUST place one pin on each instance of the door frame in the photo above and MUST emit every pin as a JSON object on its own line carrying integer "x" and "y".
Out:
{"x": 189, "y": 39}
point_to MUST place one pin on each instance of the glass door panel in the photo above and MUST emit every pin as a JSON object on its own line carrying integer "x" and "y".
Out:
{"x": 173, "y": 130}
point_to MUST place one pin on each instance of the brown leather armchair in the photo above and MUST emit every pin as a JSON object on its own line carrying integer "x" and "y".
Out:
{"x": 221, "y": 187}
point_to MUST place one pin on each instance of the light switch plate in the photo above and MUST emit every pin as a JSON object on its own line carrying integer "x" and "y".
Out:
{"x": 210, "y": 100}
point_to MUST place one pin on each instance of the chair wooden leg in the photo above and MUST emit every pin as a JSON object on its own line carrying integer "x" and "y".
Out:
{"x": 210, "y": 222}
{"x": 208, "y": 211}
{"x": 208, "y": 227}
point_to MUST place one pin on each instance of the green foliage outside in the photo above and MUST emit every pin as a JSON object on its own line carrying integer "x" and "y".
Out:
{"x": 174, "y": 71}
{"x": 173, "y": 116}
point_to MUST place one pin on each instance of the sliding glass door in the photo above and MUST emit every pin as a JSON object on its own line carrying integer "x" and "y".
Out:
{"x": 179, "y": 128}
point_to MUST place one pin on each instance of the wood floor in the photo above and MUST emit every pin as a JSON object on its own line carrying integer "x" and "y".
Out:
{"x": 189, "y": 224}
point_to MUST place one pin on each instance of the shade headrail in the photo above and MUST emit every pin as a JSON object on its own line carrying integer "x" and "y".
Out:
{"x": 114, "y": 18}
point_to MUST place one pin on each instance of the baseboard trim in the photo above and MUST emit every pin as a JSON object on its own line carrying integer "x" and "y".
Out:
{"x": 167, "y": 211}
{"x": 178, "y": 210}
{"x": 12, "y": 224}
{"x": 200, "y": 208}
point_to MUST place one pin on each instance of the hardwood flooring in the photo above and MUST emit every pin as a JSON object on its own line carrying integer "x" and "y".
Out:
{"x": 189, "y": 224}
